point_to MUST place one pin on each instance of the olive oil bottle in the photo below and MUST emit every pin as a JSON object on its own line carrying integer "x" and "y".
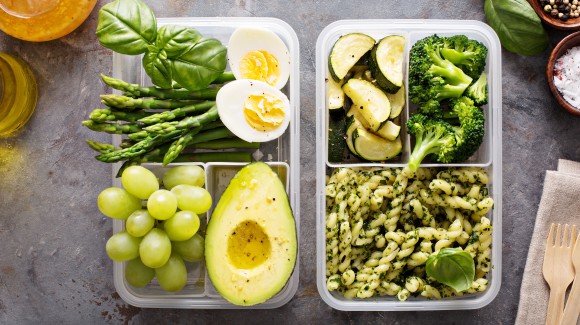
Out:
{"x": 18, "y": 94}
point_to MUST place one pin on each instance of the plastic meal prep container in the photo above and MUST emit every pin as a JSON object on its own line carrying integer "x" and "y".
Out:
{"x": 488, "y": 157}
{"x": 281, "y": 154}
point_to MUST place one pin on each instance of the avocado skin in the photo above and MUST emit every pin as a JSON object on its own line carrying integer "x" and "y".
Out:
{"x": 254, "y": 194}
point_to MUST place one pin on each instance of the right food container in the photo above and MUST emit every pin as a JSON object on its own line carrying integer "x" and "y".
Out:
{"x": 388, "y": 237}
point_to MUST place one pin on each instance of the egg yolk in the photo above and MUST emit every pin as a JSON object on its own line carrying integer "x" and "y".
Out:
{"x": 264, "y": 112}
{"x": 260, "y": 65}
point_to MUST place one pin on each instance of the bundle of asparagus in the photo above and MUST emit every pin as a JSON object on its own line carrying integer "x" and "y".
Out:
{"x": 160, "y": 123}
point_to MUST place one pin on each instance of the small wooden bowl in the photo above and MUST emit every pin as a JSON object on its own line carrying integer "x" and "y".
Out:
{"x": 570, "y": 24}
{"x": 568, "y": 42}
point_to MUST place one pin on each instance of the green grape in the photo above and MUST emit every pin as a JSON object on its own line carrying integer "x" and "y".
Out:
{"x": 137, "y": 274}
{"x": 117, "y": 203}
{"x": 139, "y": 181}
{"x": 192, "y": 198}
{"x": 122, "y": 247}
{"x": 162, "y": 204}
{"x": 182, "y": 225}
{"x": 173, "y": 275}
{"x": 139, "y": 223}
{"x": 155, "y": 248}
{"x": 190, "y": 250}
{"x": 191, "y": 174}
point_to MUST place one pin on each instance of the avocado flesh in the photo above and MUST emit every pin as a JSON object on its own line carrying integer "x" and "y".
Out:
{"x": 251, "y": 243}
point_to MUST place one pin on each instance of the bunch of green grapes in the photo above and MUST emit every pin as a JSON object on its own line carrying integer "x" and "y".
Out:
{"x": 161, "y": 234}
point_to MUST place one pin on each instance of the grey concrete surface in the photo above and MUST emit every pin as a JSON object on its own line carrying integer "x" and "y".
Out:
{"x": 53, "y": 266}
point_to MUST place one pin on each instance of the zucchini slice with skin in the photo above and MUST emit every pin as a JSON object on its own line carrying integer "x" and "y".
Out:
{"x": 373, "y": 102}
{"x": 346, "y": 52}
{"x": 334, "y": 94}
{"x": 351, "y": 124}
{"x": 397, "y": 101}
{"x": 386, "y": 62}
{"x": 355, "y": 111}
{"x": 389, "y": 131}
{"x": 336, "y": 135}
{"x": 374, "y": 148}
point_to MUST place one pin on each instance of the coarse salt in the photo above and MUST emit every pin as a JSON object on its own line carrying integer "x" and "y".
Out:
{"x": 567, "y": 76}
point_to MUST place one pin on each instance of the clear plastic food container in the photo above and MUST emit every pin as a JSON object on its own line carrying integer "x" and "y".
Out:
{"x": 488, "y": 157}
{"x": 282, "y": 155}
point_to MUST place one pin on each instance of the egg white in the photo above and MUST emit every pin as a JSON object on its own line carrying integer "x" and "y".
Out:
{"x": 230, "y": 103}
{"x": 247, "y": 39}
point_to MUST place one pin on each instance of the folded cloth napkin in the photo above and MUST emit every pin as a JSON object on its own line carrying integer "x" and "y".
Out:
{"x": 560, "y": 203}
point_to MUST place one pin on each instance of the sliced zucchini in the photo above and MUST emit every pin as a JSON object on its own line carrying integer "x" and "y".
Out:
{"x": 346, "y": 52}
{"x": 334, "y": 94}
{"x": 373, "y": 103}
{"x": 389, "y": 130}
{"x": 374, "y": 148}
{"x": 355, "y": 111}
{"x": 351, "y": 124}
{"x": 386, "y": 62}
{"x": 336, "y": 135}
{"x": 397, "y": 101}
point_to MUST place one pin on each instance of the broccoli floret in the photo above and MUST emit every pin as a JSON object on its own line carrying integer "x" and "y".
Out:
{"x": 471, "y": 129}
{"x": 478, "y": 90}
{"x": 433, "y": 137}
{"x": 468, "y": 54}
{"x": 431, "y": 107}
{"x": 431, "y": 76}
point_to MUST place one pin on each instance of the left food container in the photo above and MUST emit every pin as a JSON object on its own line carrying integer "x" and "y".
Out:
{"x": 281, "y": 154}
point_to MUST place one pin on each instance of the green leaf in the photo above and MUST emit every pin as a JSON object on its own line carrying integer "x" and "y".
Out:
{"x": 126, "y": 26}
{"x": 158, "y": 68}
{"x": 517, "y": 25}
{"x": 200, "y": 65}
{"x": 175, "y": 40}
{"x": 453, "y": 267}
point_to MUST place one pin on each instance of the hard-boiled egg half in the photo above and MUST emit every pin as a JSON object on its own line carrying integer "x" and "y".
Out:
{"x": 253, "y": 110}
{"x": 259, "y": 54}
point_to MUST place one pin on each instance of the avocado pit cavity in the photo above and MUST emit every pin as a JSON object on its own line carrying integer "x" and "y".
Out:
{"x": 248, "y": 245}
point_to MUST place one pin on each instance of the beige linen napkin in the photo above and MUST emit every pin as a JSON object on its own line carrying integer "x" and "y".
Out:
{"x": 560, "y": 203}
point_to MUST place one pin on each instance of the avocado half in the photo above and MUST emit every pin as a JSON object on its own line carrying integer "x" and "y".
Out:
{"x": 251, "y": 243}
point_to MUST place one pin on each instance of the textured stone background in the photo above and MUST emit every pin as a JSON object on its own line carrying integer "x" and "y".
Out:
{"x": 53, "y": 268}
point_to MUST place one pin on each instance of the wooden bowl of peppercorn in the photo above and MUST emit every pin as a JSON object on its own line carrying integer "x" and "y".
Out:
{"x": 560, "y": 14}
{"x": 569, "y": 42}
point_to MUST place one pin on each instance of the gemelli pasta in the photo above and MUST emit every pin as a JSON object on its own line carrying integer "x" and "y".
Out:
{"x": 383, "y": 224}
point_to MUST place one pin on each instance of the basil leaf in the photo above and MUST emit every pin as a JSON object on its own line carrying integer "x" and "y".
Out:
{"x": 175, "y": 40}
{"x": 453, "y": 267}
{"x": 158, "y": 68}
{"x": 517, "y": 25}
{"x": 201, "y": 64}
{"x": 126, "y": 26}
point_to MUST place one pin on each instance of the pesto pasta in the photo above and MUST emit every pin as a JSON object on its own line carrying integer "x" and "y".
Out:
{"x": 383, "y": 224}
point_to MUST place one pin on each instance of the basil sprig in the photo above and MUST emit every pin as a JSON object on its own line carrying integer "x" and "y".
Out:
{"x": 453, "y": 267}
{"x": 171, "y": 55}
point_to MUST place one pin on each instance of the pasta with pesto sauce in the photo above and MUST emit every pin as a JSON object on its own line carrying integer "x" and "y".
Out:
{"x": 383, "y": 224}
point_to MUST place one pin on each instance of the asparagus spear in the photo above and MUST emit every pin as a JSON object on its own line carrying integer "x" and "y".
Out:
{"x": 239, "y": 156}
{"x": 135, "y": 90}
{"x": 138, "y": 136}
{"x": 112, "y": 128}
{"x": 225, "y": 77}
{"x": 140, "y": 147}
{"x": 100, "y": 147}
{"x": 105, "y": 114}
{"x": 129, "y": 103}
{"x": 226, "y": 143}
{"x": 178, "y": 112}
{"x": 190, "y": 138}
{"x": 187, "y": 123}
{"x": 178, "y": 145}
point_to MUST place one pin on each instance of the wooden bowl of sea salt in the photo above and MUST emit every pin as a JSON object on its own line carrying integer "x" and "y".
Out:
{"x": 563, "y": 73}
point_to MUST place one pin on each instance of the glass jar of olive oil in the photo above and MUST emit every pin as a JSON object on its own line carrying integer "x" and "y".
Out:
{"x": 18, "y": 94}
